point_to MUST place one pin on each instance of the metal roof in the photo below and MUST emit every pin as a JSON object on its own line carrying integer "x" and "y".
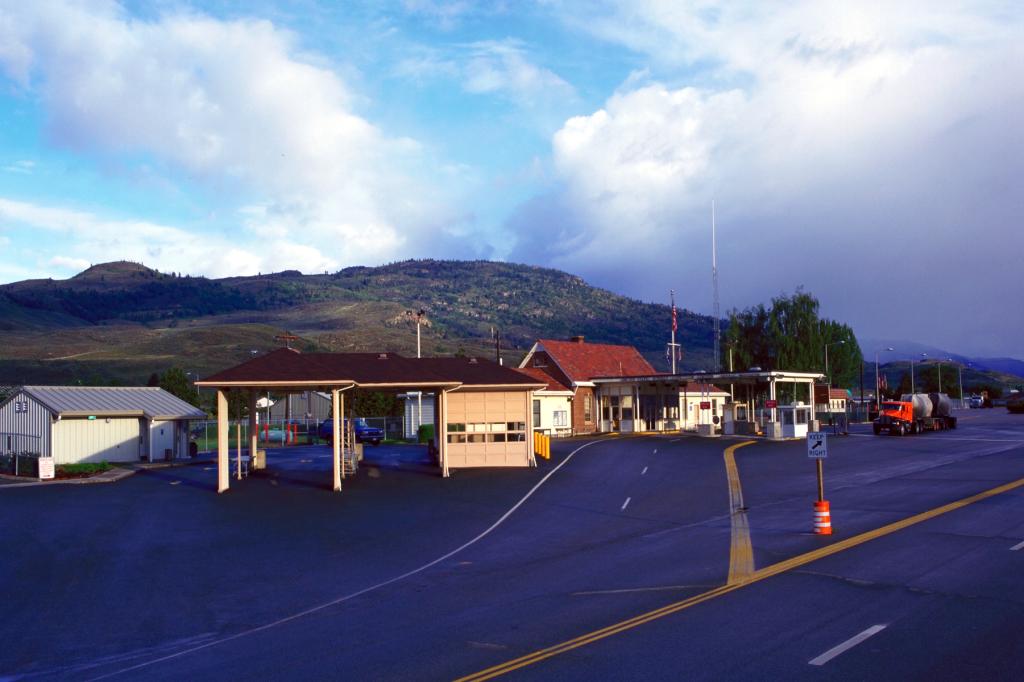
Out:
{"x": 113, "y": 401}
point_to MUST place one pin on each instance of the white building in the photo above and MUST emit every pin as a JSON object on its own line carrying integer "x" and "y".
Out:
{"x": 418, "y": 410}
{"x": 75, "y": 424}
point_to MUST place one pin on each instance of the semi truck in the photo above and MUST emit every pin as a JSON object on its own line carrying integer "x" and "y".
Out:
{"x": 914, "y": 413}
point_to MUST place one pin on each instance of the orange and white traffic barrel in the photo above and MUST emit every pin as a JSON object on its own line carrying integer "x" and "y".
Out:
{"x": 822, "y": 518}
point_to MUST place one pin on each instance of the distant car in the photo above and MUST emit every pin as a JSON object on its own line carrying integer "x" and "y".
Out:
{"x": 364, "y": 432}
{"x": 974, "y": 401}
{"x": 1015, "y": 403}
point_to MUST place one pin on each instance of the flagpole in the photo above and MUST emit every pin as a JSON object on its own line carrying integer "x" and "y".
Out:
{"x": 672, "y": 295}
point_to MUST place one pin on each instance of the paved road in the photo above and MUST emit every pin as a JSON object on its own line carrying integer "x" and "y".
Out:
{"x": 157, "y": 566}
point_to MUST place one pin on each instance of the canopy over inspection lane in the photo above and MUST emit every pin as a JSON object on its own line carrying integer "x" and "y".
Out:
{"x": 485, "y": 422}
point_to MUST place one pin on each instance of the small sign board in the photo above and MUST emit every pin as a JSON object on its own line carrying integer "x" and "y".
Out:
{"x": 771, "y": 404}
{"x": 705, "y": 405}
{"x": 817, "y": 445}
{"x": 46, "y": 468}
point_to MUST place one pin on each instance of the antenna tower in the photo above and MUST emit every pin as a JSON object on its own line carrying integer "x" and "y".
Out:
{"x": 714, "y": 286}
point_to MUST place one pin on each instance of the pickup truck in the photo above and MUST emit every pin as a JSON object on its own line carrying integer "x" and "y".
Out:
{"x": 364, "y": 432}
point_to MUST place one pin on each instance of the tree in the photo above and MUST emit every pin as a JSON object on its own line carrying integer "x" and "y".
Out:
{"x": 177, "y": 383}
{"x": 790, "y": 336}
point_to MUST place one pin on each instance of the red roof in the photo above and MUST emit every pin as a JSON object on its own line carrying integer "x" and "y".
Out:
{"x": 583, "y": 361}
{"x": 692, "y": 387}
{"x": 541, "y": 375}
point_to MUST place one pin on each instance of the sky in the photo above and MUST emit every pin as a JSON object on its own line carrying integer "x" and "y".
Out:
{"x": 870, "y": 152}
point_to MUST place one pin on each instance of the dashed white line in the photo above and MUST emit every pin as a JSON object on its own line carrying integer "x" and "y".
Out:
{"x": 357, "y": 593}
{"x": 846, "y": 646}
{"x": 655, "y": 450}
{"x": 626, "y": 503}
{"x": 1017, "y": 547}
{"x": 644, "y": 471}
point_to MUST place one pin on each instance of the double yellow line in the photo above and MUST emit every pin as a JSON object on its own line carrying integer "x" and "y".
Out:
{"x": 756, "y": 576}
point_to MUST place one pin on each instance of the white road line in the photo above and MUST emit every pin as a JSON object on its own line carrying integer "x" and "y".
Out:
{"x": 655, "y": 450}
{"x": 644, "y": 471}
{"x": 846, "y": 646}
{"x": 358, "y": 593}
{"x": 1017, "y": 547}
{"x": 626, "y": 503}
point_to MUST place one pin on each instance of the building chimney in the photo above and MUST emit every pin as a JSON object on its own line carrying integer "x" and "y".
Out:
{"x": 576, "y": 339}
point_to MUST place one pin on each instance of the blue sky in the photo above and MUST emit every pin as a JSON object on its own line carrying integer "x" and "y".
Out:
{"x": 850, "y": 147}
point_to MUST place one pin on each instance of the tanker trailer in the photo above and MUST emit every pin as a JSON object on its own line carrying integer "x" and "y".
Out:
{"x": 914, "y": 413}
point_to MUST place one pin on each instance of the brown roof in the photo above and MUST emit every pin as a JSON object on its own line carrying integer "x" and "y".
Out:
{"x": 583, "y": 361}
{"x": 285, "y": 366}
{"x": 553, "y": 384}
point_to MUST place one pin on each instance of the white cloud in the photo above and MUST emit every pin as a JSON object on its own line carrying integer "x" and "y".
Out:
{"x": 84, "y": 237}
{"x": 230, "y": 105}
{"x": 503, "y": 67}
{"x": 66, "y": 263}
{"x": 825, "y": 130}
{"x": 23, "y": 167}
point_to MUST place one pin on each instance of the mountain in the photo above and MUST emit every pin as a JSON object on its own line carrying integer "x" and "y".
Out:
{"x": 906, "y": 350}
{"x": 122, "y": 321}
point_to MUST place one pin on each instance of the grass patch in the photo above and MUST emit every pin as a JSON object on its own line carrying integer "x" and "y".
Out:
{"x": 83, "y": 469}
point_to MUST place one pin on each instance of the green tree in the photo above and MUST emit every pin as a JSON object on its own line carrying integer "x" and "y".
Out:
{"x": 790, "y": 336}
{"x": 176, "y": 382}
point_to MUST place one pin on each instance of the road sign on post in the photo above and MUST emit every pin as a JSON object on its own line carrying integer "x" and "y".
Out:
{"x": 817, "y": 449}
{"x": 817, "y": 445}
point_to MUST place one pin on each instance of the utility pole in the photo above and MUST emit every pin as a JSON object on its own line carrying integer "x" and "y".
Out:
{"x": 673, "y": 346}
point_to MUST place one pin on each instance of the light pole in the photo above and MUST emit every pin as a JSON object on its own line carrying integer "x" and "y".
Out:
{"x": 923, "y": 355}
{"x": 827, "y": 375}
{"x": 878, "y": 393}
{"x": 419, "y": 394}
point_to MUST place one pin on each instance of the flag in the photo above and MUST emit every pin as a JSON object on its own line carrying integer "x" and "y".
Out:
{"x": 675, "y": 324}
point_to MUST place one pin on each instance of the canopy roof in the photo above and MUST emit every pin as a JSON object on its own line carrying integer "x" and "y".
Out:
{"x": 287, "y": 367}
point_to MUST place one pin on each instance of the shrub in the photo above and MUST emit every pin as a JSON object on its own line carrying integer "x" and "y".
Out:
{"x": 425, "y": 434}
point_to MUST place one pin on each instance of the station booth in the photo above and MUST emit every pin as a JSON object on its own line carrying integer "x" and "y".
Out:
{"x": 482, "y": 412}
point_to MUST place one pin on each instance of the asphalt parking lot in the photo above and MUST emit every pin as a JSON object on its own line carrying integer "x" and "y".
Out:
{"x": 405, "y": 575}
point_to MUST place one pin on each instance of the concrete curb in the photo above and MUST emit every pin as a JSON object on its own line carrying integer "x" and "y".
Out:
{"x": 111, "y": 476}
{"x": 114, "y": 475}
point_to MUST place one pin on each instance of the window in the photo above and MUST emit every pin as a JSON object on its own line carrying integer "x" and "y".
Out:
{"x": 493, "y": 432}
{"x": 536, "y": 413}
{"x": 540, "y": 361}
{"x": 588, "y": 408}
{"x": 561, "y": 418}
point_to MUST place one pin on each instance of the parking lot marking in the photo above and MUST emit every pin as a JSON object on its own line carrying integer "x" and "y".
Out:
{"x": 626, "y": 503}
{"x": 757, "y": 576}
{"x": 358, "y": 593}
{"x": 846, "y": 646}
{"x": 644, "y": 471}
{"x": 1017, "y": 547}
{"x": 655, "y": 451}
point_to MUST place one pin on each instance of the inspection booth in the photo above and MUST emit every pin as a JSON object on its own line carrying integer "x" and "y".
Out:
{"x": 481, "y": 410}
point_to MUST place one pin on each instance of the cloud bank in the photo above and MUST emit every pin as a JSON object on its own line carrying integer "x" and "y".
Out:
{"x": 850, "y": 148}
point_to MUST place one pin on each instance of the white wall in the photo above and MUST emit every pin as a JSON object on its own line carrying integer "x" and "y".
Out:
{"x": 549, "y": 405}
{"x": 114, "y": 439}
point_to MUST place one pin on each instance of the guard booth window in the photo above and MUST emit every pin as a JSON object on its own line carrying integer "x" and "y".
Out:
{"x": 536, "y": 414}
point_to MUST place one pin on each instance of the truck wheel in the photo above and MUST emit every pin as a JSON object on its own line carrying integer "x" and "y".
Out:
{"x": 903, "y": 429}
{"x": 877, "y": 429}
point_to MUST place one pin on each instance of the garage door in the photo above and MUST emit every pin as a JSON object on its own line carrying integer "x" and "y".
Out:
{"x": 487, "y": 429}
{"x": 96, "y": 440}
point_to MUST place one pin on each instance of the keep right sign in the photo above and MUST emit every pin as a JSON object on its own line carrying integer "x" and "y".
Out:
{"x": 817, "y": 445}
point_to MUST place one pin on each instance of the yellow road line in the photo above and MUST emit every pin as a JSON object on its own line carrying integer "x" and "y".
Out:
{"x": 756, "y": 576}
{"x": 741, "y": 554}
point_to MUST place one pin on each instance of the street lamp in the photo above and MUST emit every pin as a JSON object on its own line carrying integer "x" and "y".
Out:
{"x": 878, "y": 394}
{"x": 419, "y": 316}
{"x": 923, "y": 355}
{"x": 827, "y": 375}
